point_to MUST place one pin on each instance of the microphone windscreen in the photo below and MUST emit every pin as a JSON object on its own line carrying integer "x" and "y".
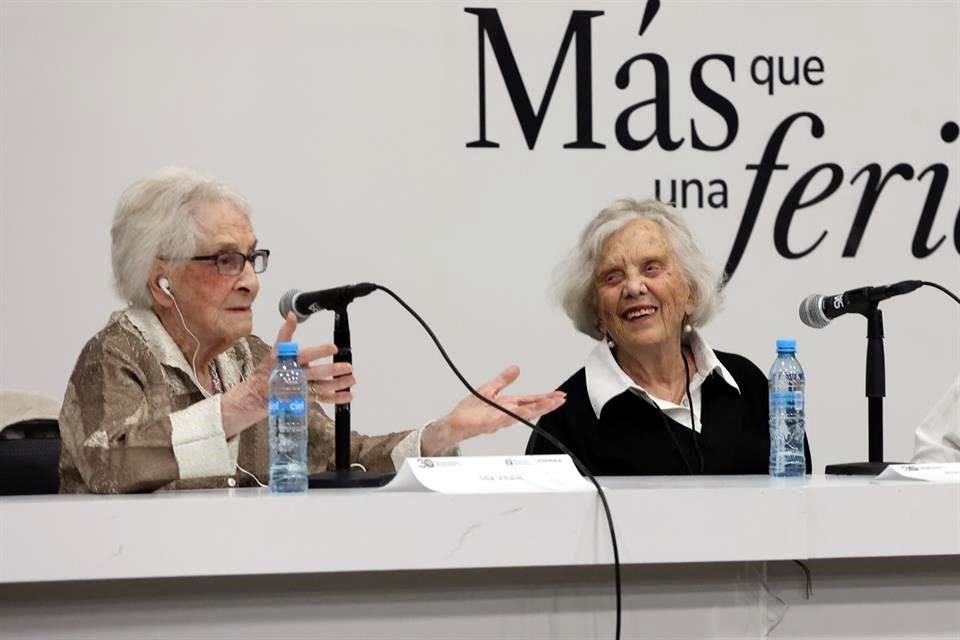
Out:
{"x": 811, "y": 312}
{"x": 286, "y": 305}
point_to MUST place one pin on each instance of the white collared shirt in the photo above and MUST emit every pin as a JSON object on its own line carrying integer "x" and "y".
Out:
{"x": 606, "y": 380}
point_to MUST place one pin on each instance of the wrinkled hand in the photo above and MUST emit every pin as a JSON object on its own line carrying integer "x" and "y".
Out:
{"x": 472, "y": 417}
{"x": 330, "y": 381}
{"x": 246, "y": 403}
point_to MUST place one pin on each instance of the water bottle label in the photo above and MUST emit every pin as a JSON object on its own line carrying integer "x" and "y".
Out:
{"x": 292, "y": 407}
{"x": 789, "y": 399}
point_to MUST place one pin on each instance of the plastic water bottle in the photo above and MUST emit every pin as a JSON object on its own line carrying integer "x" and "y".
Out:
{"x": 288, "y": 423}
{"x": 786, "y": 386}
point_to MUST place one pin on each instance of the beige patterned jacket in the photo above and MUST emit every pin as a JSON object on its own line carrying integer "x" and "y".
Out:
{"x": 134, "y": 418}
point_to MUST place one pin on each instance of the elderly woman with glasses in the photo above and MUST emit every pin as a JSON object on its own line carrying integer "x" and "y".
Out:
{"x": 172, "y": 393}
{"x": 653, "y": 398}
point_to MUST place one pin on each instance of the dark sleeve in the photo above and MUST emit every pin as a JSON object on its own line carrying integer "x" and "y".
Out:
{"x": 539, "y": 445}
{"x": 563, "y": 422}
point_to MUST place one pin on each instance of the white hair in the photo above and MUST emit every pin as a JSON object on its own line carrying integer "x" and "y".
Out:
{"x": 155, "y": 218}
{"x": 576, "y": 283}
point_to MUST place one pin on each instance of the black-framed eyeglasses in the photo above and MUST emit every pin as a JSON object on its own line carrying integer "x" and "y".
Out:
{"x": 231, "y": 263}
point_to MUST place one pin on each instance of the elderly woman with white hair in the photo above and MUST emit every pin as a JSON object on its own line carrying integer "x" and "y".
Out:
{"x": 172, "y": 393}
{"x": 653, "y": 398}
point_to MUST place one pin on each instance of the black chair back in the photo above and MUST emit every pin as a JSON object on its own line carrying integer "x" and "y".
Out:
{"x": 29, "y": 455}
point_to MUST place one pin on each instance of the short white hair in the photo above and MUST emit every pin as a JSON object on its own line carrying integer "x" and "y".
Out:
{"x": 576, "y": 282}
{"x": 155, "y": 218}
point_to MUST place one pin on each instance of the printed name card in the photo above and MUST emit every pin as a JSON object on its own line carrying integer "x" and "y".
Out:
{"x": 932, "y": 472}
{"x": 490, "y": 474}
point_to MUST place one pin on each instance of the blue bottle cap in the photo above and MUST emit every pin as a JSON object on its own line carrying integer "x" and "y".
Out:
{"x": 786, "y": 344}
{"x": 287, "y": 349}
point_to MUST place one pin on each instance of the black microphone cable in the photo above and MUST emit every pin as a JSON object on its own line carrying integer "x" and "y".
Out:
{"x": 537, "y": 430}
{"x": 696, "y": 436}
{"x": 944, "y": 289}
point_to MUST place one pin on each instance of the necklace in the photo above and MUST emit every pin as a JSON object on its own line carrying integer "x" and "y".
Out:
{"x": 215, "y": 378}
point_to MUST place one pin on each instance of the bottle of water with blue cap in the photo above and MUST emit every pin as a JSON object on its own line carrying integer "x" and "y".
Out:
{"x": 288, "y": 412}
{"x": 786, "y": 387}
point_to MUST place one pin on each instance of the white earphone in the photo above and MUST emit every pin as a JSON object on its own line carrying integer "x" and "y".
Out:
{"x": 164, "y": 285}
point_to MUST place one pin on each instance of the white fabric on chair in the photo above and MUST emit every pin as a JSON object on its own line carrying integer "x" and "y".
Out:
{"x": 19, "y": 406}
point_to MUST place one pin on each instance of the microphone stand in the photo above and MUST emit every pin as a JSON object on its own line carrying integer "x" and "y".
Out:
{"x": 344, "y": 476}
{"x": 876, "y": 389}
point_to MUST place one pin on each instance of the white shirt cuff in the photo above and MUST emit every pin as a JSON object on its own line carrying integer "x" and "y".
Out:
{"x": 199, "y": 443}
{"x": 410, "y": 447}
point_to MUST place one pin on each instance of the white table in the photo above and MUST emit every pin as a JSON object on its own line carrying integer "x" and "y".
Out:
{"x": 703, "y": 557}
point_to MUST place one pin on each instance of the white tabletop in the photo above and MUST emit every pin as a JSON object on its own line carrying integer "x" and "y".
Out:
{"x": 658, "y": 520}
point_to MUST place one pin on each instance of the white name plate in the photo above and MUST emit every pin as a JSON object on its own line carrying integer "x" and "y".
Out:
{"x": 489, "y": 474}
{"x": 931, "y": 472}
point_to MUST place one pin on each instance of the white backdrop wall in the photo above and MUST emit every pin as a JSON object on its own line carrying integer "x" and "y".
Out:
{"x": 346, "y": 125}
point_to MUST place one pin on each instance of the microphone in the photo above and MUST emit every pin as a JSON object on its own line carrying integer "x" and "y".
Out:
{"x": 818, "y": 310}
{"x": 306, "y": 303}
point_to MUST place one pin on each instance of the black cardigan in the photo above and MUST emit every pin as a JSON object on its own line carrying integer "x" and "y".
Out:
{"x": 630, "y": 438}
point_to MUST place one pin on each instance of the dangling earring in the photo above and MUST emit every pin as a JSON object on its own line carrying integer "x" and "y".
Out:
{"x": 609, "y": 340}
{"x": 687, "y": 327}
